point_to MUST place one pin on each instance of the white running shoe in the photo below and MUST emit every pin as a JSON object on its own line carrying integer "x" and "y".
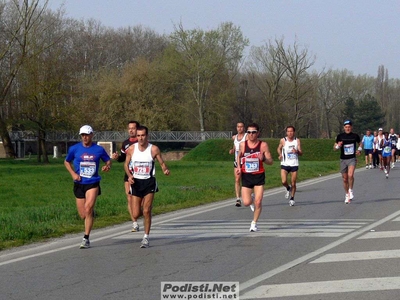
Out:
{"x": 253, "y": 227}
{"x": 366, "y": 166}
{"x": 370, "y": 166}
{"x": 351, "y": 194}
{"x": 85, "y": 244}
{"x": 291, "y": 203}
{"x": 145, "y": 243}
{"x": 135, "y": 227}
{"x": 385, "y": 171}
{"x": 392, "y": 165}
{"x": 387, "y": 175}
{"x": 347, "y": 199}
{"x": 288, "y": 192}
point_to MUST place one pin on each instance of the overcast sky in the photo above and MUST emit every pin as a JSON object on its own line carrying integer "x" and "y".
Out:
{"x": 358, "y": 35}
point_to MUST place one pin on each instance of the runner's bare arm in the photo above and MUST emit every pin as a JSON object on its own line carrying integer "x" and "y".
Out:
{"x": 267, "y": 157}
{"x": 279, "y": 149}
{"x": 156, "y": 153}
{"x": 128, "y": 157}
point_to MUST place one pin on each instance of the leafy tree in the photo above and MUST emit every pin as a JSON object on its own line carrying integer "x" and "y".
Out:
{"x": 198, "y": 57}
{"x": 368, "y": 115}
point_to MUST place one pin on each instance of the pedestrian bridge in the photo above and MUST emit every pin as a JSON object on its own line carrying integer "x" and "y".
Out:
{"x": 119, "y": 136}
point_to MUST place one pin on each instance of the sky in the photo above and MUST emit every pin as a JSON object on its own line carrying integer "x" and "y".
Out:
{"x": 357, "y": 35}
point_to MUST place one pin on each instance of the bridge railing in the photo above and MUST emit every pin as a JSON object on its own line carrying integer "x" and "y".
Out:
{"x": 119, "y": 136}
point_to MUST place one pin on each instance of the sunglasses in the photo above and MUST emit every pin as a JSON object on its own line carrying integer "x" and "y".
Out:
{"x": 252, "y": 131}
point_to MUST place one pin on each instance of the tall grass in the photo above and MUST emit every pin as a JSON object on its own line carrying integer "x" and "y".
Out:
{"x": 37, "y": 202}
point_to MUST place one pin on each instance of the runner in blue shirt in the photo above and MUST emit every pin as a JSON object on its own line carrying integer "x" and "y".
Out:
{"x": 83, "y": 163}
{"x": 368, "y": 144}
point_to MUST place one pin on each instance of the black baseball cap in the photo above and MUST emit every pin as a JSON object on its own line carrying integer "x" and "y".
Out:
{"x": 347, "y": 122}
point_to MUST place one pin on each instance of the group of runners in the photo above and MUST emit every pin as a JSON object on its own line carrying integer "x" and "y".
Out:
{"x": 250, "y": 156}
{"x": 139, "y": 156}
{"x": 381, "y": 149}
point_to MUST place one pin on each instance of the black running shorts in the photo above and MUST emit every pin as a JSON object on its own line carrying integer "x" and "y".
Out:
{"x": 251, "y": 180}
{"x": 142, "y": 187}
{"x": 81, "y": 189}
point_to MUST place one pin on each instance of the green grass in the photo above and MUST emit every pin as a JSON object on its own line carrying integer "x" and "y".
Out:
{"x": 37, "y": 202}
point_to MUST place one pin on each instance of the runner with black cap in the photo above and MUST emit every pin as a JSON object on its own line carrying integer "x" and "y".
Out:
{"x": 347, "y": 143}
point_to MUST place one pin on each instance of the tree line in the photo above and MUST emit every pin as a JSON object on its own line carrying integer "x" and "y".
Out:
{"x": 57, "y": 73}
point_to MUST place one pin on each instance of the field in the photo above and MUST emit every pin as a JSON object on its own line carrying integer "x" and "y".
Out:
{"x": 37, "y": 202}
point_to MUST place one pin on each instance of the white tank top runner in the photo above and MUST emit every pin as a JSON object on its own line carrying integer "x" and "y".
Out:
{"x": 288, "y": 157}
{"x": 237, "y": 142}
{"x": 380, "y": 138}
{"x": 142, "y": 163}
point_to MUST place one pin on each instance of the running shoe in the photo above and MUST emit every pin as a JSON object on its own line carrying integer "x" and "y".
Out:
{"x": 288, "y": 192}
{"x": 351, "y": 194}
{"x": 291, "y": 202}
{"x": 370, "y": 166}
{"x": 252, "y": 202}
{"x": 366, "y": 166}
{"x": 385, "y": 171}
{"x": 387, "y": 175}
{"x": 238, "y": 203}
{"x": 347, "y": 199}
{"x": 145, "y": 243}
{"x": 85, "y": 244}
{"x": 135, "y": 227}
{"x": 253, "y": 227}
{"x": 392, "y": 165}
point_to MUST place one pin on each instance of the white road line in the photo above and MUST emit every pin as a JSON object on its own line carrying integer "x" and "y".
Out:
{"x": 351, "y": 256}
{"x": 239, "y": 228}
{"x": 380, "y": 235}
{"x": 324, "y": 287}
{"x": 311, "y": 255}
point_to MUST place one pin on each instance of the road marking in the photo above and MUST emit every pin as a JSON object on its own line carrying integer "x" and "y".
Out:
{"x": 240, "y": 228}
{"x": 350, "y": 256}
{"x": 311, "y": 255}
{"x": 324, "y": 287}
{"x": 380, "y": 235}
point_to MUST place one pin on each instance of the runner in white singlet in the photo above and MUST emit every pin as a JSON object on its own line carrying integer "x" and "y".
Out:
{"x": 240, "y": 137}
{"x": 289, "y": 150}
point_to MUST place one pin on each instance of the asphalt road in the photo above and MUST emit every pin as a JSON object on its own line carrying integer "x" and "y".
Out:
{"x": 319, "y": 249}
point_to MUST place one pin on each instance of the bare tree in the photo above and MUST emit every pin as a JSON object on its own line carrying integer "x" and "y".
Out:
{"x": 18, "y": 20}
{"x": 268, "y": 76}
{"x": 297, "y": 62}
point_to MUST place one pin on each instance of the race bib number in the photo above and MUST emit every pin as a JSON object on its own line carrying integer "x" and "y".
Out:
{"x": 252, "y": 165}
{"x": 87, "y": 169}
{"x": 348, "y": 149}
{"x": 290, "y": 154}
{"x": 142, "y": 168}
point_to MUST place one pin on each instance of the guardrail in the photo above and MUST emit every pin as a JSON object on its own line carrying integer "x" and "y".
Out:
{"x": 119, "y": 136}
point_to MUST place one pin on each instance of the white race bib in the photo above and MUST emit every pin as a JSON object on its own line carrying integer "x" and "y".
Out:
{"x": 348, "y": 149}
{"x": 252, "y": 165}
{"x": 142, "y": 168}
{"x": 87, "y": 169}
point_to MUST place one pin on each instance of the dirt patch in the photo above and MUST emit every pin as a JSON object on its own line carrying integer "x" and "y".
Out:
{"x": 173, "y": 155}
